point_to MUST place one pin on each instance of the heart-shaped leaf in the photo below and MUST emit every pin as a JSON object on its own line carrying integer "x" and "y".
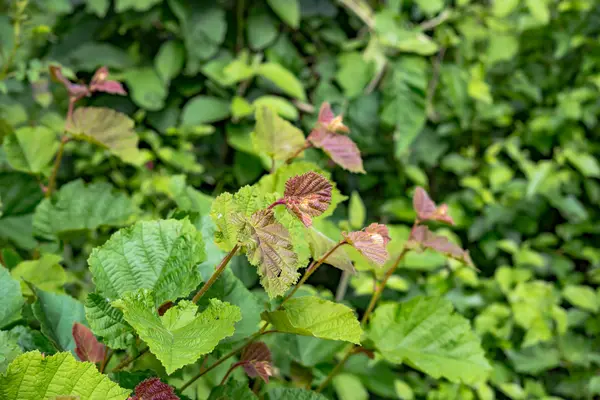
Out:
{"x": 154, "y": 389}
{"x": 87, "y": 347}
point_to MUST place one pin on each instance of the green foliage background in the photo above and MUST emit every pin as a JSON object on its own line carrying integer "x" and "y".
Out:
{"x": 491, "y": 105}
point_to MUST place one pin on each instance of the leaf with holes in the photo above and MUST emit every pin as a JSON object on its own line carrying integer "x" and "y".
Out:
{"x": 33, "y": 376}
{"x": 106, "y": 128}
{"x": 154, "y": 389}
{"x": 307, "y": 195}
{"x": 371, "y": 242}
{"x": 182, "y": 334}
{"x": 159, "y": 255}
{"x": 427, "y": 210}
{"x": 87, "y": 347}
{"x": 278, "y": 138}
{"x": 312, "y": 316}
{"x": 426, "y": 333}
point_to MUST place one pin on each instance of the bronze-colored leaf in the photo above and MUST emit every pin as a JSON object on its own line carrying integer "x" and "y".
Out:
{"x": 269, "y": 247}
{"x": 75, "y": 89}
{"x": 329, "y": 121}
{"x": 154, "y": 389}
{"x": 256, "y": 361}
{"x": 427, "y": 210}
{"x": 422, "y": 237}
{"x": 100, "y": 83}
{"x": 88, "y": 348}
{"x": 307, "y": 195}
{"x": 371, "y": 242}
{"x": 342, "y": 150}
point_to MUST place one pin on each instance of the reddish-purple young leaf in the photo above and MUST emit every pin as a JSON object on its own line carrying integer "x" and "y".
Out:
{"x": 307, "y": 195}
{"x": 153, "y": 389}
{"x": 427, "y": 210}
{"x": 329, "y": 121}
{"x": 371, "y": 242}
{"x": 74, "y": 89}
{"x": 100, "y": 83}
{"x": 88, "y": 348}
{"x": 256, "y": 361}
{"x": 342, "y": 150}
{"x": 422, "y": 237}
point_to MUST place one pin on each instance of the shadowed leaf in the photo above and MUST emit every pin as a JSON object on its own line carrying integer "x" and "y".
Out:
{"x": 154, "y": 389}
{"x": 422, "y": 237}
{"x": 342, "y": 150}
{"x": 87, "y": 347}
{"x": 371, "y": 242}
{"x": 427, "y": 210}
{"x": 275, "y": 136}
{"x": 256, "y": 361}
{"x": 321, "y": 244}
{"x": 307, "y": 195}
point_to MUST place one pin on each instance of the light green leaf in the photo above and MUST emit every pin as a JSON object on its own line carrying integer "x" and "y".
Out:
{"x": 584, "y": 162}
{"x": 57, "y": 313}
{"x": 427, "y": 334}
{"x": 108, "y": 322}
{"x": 169, "y": 60}
{"x": 280, "y": 105}
{"x": 31, "y": 149}
{"x": 181, "y": 335}
{"x": 312, "y": 316}
{"x": 539, "y": 9}
{"x": 159, "y": 255}
{"x": 391, "y": 34}
{"x": 357, "y": 211}
{"x": 107, "y": 128}
{"x": 275, "y": 136}
{"x": 9, "y": 349}
{"x": 137, "y": 5}
{"x": 283, "y": 393}
{"x": 320, "y": 244}
{"x": 33, "y": 376}
{"x": 406, "y": 98}
{"x": 287, "y": 10}
{"x": 45, "y": 273}
{"x": 283, "y": 79}
{"x": 501, "y": 47}
{"x": 349, "y": 387}
{"x": 77, "y": 206}
{"x": 354, "y": 73}
{"x": 12, "y": 299}
{"x": 146, "y": 88}
{"x": 535, "y": 359}
{"x": 502, "y": 8}
{"x": 240, "y": 108}
{"x": 582, "y": 297}
{"x": 204, "y": 110}
{"x": 98, "y": 7}
{"x": 431, "y": 7}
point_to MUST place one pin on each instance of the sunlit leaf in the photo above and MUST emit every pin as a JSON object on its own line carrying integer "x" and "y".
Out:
{"x": 182, "y": 334}
{"x": 87, "y": 347}
{"x": 33, "y": 376}
{"x": 371, "y": 242}
{"x": 45, "y": 273}
{"x": 283, "y": 79}
{"x": 307, "y": 195}
{"x": 287, "y": 10}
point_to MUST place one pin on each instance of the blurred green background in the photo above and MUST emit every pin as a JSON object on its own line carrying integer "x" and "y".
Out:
{"x": 492, "y": 106}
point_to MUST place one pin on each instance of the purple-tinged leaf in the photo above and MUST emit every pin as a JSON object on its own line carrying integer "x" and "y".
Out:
{"x": 307, "y": 195}
{"x": 88, "y": 348}
{"x": 427, "y": 210}
{"x": 75, "y": 89}
{"x": 153, "y": 389}
{"x": 256, "y": 361}
{"x": 421, "y": 238}
{"x": 329, "y": 121}
{"x": 342, "y": 150}
{"x": 371, "y": 242}
{"x": 100, "y": 83}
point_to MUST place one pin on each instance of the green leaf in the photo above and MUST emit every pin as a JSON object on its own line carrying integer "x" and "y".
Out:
{"x": 232, "y": 390}
{"x": 204, "y": 110}
{"x": 282, "y": 393}
{"x": 584, "y": 162}
{"x": 181, "y": 335}
{"x": 320, "y": 244}
{"x": 535, "y": 359}
{"x": 147, "y": 89}
{"x": 357, "y": 211}
{"x": 406, "y": 98}
{"x": 159, "y": 255}
{"x": 349, "y": 387}
{"x": 106, "y": 128}
{"x": 312, "y": 316}
{"x": 427, "y": 334}
{"x": 392, "y": 34}
{"x": 539, "y": 9}
{"x": 9, "y": 349}
{"x": 108, "y": 322}
{"x": 275, "y": 136}
{"x": 280, "y": 105}
{"x": 77, "y": 206}
{"x": 12, "y": 299}
{"x": 261, "y": 28}
{"x": 504, "y": 7}
{"x": 431, "y": 7}
{"x": 582, "y": 296}
{"x": 31, "y": 149}
{"x": 354, "y": 73}
{"x": 137, "y": 5}
{"x": 287, "y": 10}
{"x": 45, "y": 273}
{"x": 283, "y": 79}
{"x": 33, "y": 376}
{"x": 98, "y": 7}
{"x": 57, "y": 313}
{"x": 169, "y": 60}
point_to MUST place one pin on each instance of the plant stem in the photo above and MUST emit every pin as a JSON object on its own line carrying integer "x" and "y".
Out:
{"x": 57, "y": 160}
{"x": 229, "y": 371}
{"x": 311, "y": 269}
{"x": 21, "y": 5}
{"x": 335, "y": 370}
{"x": 129, "y": 360}
{"x": 216, "y": 274}
{"x": 107, "y": 356}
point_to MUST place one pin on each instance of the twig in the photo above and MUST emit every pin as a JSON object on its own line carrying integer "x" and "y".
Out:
{"x": 107, "y": 356}
{"x": 342, "y": 286}
{"x": 304, "y": 107}
{"x": 216, "y": 274}
{"x": 433, "y": 83}
{"x": 57, "y": 160}
{"x": 240, "y": 25}
{"x": 376, "y": 79}
{"x": 129, "y": 360}
{"x": 362, "y": 11}
{"x": 432, "y": 23}
{"x": 20, "y": 6}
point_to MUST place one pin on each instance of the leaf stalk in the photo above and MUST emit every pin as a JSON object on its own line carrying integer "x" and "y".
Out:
{"x": 216, "y": 274}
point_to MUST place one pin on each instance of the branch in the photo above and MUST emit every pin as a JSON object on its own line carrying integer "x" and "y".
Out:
{"x": 216, "y": 274}
{"x": 432, "y": 23}
{"x": 129, "y": 360}
{"x": 57, "y": 160}
{"x": 362, "y": 11}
